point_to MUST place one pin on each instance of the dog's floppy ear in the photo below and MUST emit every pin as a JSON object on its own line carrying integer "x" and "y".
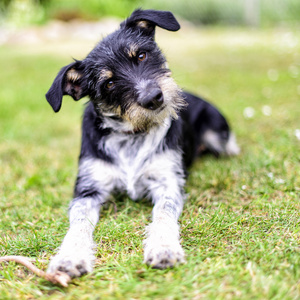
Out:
{"x": 148, "y": 19}
{"x": 69, "y": 81}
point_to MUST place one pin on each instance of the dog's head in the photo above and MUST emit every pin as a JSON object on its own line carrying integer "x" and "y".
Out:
{"x": 125, "y": 76}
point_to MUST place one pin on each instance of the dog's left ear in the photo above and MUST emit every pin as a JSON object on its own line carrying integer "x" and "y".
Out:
{"x": 69, "y": 81}
{"x": 146, "y": 20}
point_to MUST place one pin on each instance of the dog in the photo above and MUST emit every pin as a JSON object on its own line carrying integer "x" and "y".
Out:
{"x": 140, "y": 133}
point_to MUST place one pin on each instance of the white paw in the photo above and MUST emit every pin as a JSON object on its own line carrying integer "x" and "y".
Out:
{"x": 164, "y": 256}
{"x": 74, "y": 265}
{"x": 162, "y": 247}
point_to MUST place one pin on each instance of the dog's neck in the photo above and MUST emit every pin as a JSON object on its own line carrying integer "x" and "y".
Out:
{"x": 121, "y": 126}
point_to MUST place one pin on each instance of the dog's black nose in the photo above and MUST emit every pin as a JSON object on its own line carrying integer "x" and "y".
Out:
{"x": 152, "y": 100}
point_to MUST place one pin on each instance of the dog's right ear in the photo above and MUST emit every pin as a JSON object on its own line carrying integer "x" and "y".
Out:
{"x": 147, "y": 20}
{"x": 69, "y": 81}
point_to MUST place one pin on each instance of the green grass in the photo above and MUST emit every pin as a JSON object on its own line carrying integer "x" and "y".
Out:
{"x": 240, "y": 225}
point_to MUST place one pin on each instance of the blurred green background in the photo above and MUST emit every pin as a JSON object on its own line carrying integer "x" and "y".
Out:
{"x": 240, "y": 225}
{"x": 232, "y": 12}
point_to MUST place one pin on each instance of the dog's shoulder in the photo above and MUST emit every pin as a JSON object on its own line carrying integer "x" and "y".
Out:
{"x": 173, "y": 138}
{"x": 92, "y": 133}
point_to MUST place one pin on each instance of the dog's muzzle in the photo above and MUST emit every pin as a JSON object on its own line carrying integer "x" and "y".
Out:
{"x": 151, "y": 98}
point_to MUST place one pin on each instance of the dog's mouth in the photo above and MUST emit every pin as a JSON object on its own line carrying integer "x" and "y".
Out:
{"x": 136, "y": 119}
{"x": 115, "y": 118}
{"x": 120, "y": 118}
{"x": 161, "y": 108}
{"x": 142, "y": 120}
{"x": 148, "y": 122}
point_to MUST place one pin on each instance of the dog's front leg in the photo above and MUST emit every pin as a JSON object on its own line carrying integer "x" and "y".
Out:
{"x": 162, "y": 247}
{"x": 76, "y": 254}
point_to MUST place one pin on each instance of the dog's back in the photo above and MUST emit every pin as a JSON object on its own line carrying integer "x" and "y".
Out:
{"x": 205, "y": 130}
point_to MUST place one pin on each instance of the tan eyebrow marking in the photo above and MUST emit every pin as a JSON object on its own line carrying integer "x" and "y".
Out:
{"x": 132, "y": 52}
{"x": 105, "y": 74}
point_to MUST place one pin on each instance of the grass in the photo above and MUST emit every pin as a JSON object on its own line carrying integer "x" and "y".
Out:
{"x": 240, "y": 225}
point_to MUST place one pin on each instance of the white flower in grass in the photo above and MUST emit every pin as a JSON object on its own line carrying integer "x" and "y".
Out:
{"x": 276, "y": 180}
{"x": 266, "y": 110}
{"x": 249, "y": 112}
{"x": 280, "y": 181}
{"x": 297, "y": 134}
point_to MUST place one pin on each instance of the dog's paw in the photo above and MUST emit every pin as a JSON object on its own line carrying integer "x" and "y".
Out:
{"x": 163, "y": 257}
{"x": 74, "y": 266}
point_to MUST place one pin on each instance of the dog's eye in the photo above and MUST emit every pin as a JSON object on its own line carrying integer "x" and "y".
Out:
{"x": 142, "y": 56}
{"x": 110, "y": 84}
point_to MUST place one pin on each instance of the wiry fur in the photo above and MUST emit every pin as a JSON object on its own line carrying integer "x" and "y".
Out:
{"x": 139, "y": 133}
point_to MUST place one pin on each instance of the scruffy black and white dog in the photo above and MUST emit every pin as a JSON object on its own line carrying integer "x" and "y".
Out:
{"x": 139, "y": 133}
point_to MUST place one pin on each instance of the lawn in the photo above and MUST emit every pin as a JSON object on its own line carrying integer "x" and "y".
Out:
{"x": 240, "y": 226}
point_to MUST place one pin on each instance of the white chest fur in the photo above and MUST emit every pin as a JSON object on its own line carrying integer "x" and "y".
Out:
{"x": 132, "y": 155}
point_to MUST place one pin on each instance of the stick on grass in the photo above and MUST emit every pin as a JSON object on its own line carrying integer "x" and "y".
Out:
{"x": 56, "y": 278}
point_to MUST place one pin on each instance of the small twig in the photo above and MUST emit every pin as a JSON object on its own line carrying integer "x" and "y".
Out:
{"x": 56, "y": 278}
